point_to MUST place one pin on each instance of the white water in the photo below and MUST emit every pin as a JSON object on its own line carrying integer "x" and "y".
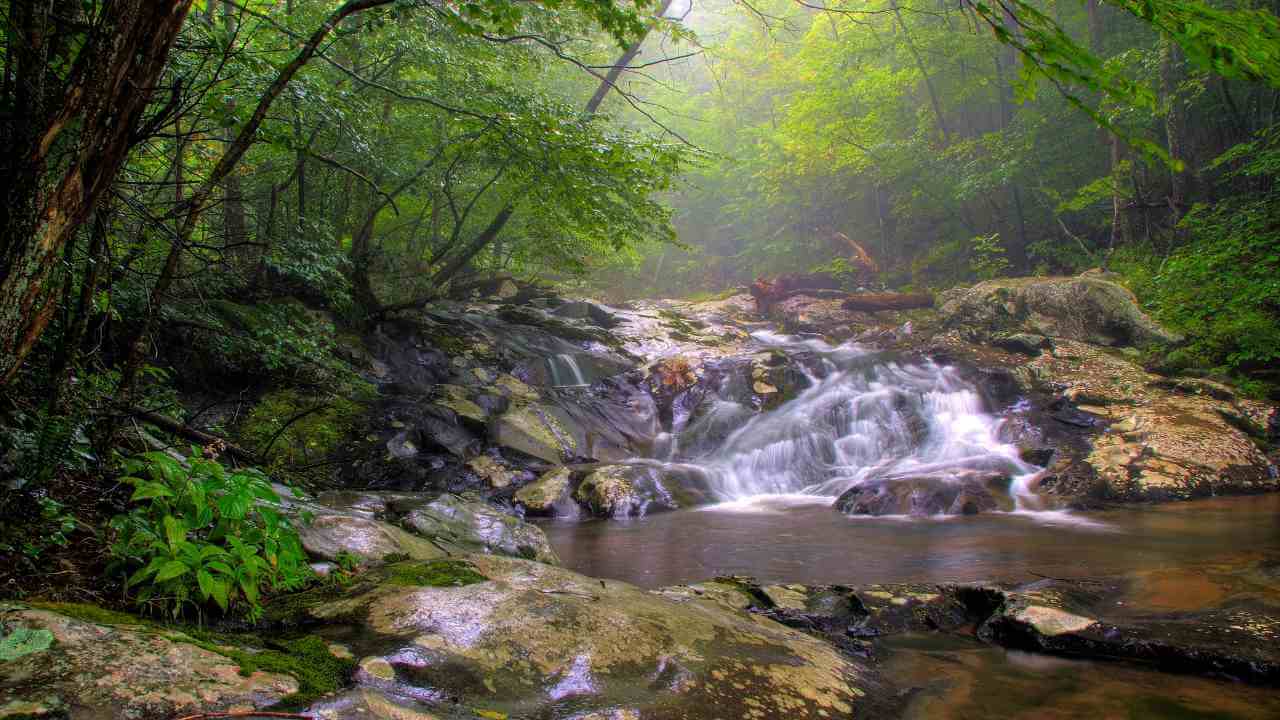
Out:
{"x": 858, "y": 421}
{"x": 565, "y": 371}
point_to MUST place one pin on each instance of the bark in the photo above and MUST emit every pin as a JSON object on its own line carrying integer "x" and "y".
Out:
{"x": 615, "y": 71}
{"x": 875, "y": 302}
{"x": 168, "y": 424}
{"x": 1175, "y": 126}
{"x": 924, "y": 73}
{"x": 1115, "y": 151}
{"x": 102, "y": 96}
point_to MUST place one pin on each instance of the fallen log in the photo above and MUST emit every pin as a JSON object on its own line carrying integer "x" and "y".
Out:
{"x": 875, "y": 302}
{"x": 168, "y": 424}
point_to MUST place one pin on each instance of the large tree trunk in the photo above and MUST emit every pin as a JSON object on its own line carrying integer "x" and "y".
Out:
{"x": 102, "y": 97}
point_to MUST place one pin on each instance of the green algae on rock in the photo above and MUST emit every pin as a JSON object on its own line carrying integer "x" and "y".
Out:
{"x": 532, "y": 638}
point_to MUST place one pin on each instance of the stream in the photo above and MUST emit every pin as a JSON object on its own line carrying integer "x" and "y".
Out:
{"x": 915, "y": 432}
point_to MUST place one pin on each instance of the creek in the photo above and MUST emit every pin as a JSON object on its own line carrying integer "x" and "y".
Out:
{"x": 865, "y": 420}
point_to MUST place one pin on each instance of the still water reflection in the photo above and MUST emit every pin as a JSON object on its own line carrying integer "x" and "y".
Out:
{"x": 802, "y": 539}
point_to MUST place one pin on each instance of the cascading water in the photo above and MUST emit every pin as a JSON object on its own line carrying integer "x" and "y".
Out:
{"x": 565, "y": 371}
{"x": 862, "y": 421}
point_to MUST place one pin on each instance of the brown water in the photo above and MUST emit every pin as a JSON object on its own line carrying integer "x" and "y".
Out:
{"x": 785, "y": 539}
{"x": 1184, "y": 556}
{"x": 959, "y": 679}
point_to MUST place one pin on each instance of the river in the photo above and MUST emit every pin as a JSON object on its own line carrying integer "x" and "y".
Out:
{"x": 865, "y": 421}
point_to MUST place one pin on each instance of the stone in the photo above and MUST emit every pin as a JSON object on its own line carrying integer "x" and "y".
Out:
{"x": 492, "y": 472}
{"x": 457, "y": 399}
{"x": 333, "y": 533}
{"x": 966, "y": 494}
{"x": 531, "y": 638}
{"x": 544, "y": 495}
{"x": 1151, "y": 439}
{"x": 103, "y": 671}
{"x": 535, "y": 430}
{"x": 634, "y": 490}
{"x": 477, "y": 525}
{"x": 1086, "y": 309}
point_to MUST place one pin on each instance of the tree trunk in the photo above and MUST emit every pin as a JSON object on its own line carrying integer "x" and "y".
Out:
{"x": 616, "y": 70}
{"x": 102, "y": 98}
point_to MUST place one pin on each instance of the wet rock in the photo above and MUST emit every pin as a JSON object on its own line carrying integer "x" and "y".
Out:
{"x": 457, "y": 399}
{"x": 492, "y": 472}
{"x": 547, "y": 494}
{"x": 535, "y": 430}
{"x": 331, "y": 534}
{"x": 94, "y": 671}
{"x": 1087, "y": 309}
{"x": 477, "y": 525}
{"x": 1153, "y": 439}
{"x": 439, "y": 427}
{"x": 531, "y": 640}
{"x": 966, "y": 494}
{"x": 1022, "y": 343}
{"x": 1237, "y": 639}
{"x": 595, "y": 313}
{"x": 634, "y": 490}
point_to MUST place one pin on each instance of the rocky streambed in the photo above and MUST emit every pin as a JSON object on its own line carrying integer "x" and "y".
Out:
{"x": 511, "y": 432}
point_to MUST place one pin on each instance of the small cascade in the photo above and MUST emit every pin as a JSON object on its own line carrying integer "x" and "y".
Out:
{"x": 565, "y": 371}
{"x": 908, "y": 434}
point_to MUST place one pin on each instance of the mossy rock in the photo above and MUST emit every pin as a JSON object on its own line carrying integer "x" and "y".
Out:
{"x": 300, "y": 427}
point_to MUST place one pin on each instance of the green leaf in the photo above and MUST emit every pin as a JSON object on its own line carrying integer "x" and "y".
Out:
{"x": 24, "y": 641}
{"x": 206, "y": 582}
{"x": 174, "y": 530}
{"x": 171, "y": 570}
{"x": 149, "y": 490}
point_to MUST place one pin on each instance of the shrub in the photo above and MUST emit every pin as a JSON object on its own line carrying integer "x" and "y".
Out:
{"x": 203, "y": 534}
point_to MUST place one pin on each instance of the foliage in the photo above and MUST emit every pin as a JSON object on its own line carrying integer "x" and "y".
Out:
{"x": 1221, "y": 287}
{"x": 23, "y": 641}
{"x": 987, "y": 258}
{"x": 291, "y": 428}
{"x": 203, "y": 534}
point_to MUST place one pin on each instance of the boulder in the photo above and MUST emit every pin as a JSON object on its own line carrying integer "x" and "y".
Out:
{"x": 595, "y": 313}
{"x": 964, "y": 494}
{"x": 634, "y": 490}
{"x": 536, "y": 430}
{"x": 531, "y": 640}
{"x": 1151, "y": 439}
{"x": 1087, "y": 309}
{"x": 89, "y": 670}
{"x": 477, "y": 525}
{"x": 547, "y": 494}
{"x": 331, "y": 533}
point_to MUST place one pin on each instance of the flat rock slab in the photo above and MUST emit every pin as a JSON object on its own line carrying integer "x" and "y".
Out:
{"x": 101, "y": 672}
{"x": 531, "y": 640}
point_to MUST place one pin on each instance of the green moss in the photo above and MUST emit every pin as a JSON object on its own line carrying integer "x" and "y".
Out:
{"x": 327, "y": 421}
{"x": 91, "y": 613}
{"x": 437, "y": 573}
{"x": 307, "y": 659}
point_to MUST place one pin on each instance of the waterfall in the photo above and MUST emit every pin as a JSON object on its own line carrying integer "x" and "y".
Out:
{"x": 862, "y": 419}
{"x": 565, "y": 371}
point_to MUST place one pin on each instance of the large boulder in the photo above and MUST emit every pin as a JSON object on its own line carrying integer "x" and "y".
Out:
{"x": 964, "y": 494}
{"x": 634, "y": 490}
{"x": 331, "y": 534}
{"x": 1151, "y": 438}
{"x": 476, "y": 525}
{"x": 373, "y": 525}
{"x": 512, "y": 638}
{"x": 95, "y": 671}
{"x": 549, "y": 494}
{"x": 535, "y": 430}
{"x": 1087, "y": 309}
